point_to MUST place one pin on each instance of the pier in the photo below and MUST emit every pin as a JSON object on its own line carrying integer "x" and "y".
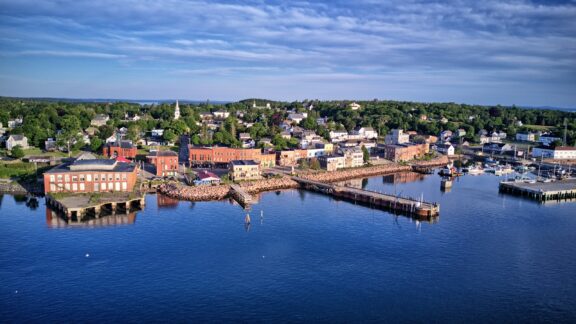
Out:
{"x": 541, "y": 191}
{"x": 373, "y": 199}
{"x": 241, "y": 196}
{"x": 79, "y": 206}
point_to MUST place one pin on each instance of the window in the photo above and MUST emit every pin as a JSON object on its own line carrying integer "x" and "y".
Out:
{"x": 89, "y": 177}
{"x": 96, "y": 186}
{"x": 117, "y": 186}
{"x": 67, "y": 178}
{"x": 82, "y": 178}
{"x": 59, "y": 177}
{"x": 67, "y": 187}
{"x": 110, "y": 177}
{"x": 103, "y": 186}
{"x": 103, "y": 177}
{"x": 124, "y": 186}
{"x": 74, "y": 187}
{"x": 74, "y": 178}
{"x": 96, "y": 177}
{"x": 123, "y": 176}
{"x": 52, "y": 187}
{"x": 117, "y": 176}
{"x": 52, "y": 178}
{"x": 82, "y": 187}
{"x": 110, "y": 186}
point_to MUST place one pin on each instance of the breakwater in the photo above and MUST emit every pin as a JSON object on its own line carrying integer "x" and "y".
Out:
{"x": 347, "y": 174}
{"x": 439, "y": 161}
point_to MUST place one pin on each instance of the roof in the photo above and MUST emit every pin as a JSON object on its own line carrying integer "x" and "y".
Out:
{"x": 203, "y": 175}
{"x": 162, "y": 153}
{"x": 123, "y": 144}
{"x": 557, "y": 148}
{"x": 243, "y": 162}
{"x": 93, "y": 165}
{"x": 100, "y": 117}
{"x": 122, "y": 159}
{"x": 17, "y": 137}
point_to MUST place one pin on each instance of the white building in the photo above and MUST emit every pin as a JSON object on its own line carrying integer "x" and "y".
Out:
{"x": 397, "y": 136}
{"x": 221, "y": 114}
{"x": 353, "y": 157}
{"x": 13, "y": 123}
{"x": 447, "y": 149}
{"x": 354, "y": 106}
{"x": 297, "y": 118}
{"x": 338, "y": 136}
{"x": 157, "y": 132}
{"x": 366, "y": 132}
{"x": 332, "y": 162}
{"x": 558, "y": 153}
{"x": 15, "y": 140}
{"x": 99, "y": 120}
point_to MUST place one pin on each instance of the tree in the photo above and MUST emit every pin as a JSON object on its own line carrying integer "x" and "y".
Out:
{"x": 169, "y": 135}
{"x": 17, "y": 152}
{"x": 69, "y": 129}
{"x": 315, "y": 164}
{"x": 365, "y": 154}
{"x": 95, "y": 144}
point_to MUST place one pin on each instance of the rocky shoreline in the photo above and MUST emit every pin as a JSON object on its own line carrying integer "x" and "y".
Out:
{"x": 18, "y": 188}
{"x": 356, "y": 173}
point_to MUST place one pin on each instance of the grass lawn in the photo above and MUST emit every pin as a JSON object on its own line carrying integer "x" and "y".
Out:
{"x": 18, "y": 169}
{"x": 538, "y": 127}
{"x": 34, "y": 151}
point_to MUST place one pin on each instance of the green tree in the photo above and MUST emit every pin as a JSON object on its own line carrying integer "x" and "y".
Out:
{"x": 95, "y": 144}
{"x": 69, "y": 132}
{"x": 169, "y": 135}
{"x": 365, "y": 154}
{"x": 315, "y": 164}
{"x": 17, "y": 152}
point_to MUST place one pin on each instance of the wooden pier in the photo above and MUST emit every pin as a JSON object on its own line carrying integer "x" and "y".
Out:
{"x": 373, "y": 199}
{"x": 541, "y": 191}
{"x": 78, "y": 206}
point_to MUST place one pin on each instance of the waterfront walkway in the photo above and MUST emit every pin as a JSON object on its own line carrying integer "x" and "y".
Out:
{"x": 541, "y": 191}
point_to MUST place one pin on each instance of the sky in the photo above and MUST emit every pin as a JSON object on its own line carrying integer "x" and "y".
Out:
{"x": 466, "y": 51}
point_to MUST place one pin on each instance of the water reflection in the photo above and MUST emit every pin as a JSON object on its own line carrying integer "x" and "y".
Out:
{"x": 166, "y": 202}
{"x": 55, "y": 219}
{"x": 403, "y": 177}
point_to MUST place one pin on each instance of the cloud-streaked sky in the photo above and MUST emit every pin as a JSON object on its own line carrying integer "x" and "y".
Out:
{"x": 488, "y": 52}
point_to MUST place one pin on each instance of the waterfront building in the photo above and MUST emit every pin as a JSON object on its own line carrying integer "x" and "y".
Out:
{"x": 445, "y": 148}
{"x": 290, "y": 157}
{"x": 15, "y": 140}
{"x": 405, "y": 152}
{"x": 91, "y": 175}
{"x": 353, "y": 157}
{"x": 244, "y": 170}
{"x": 332, "y": 162}
{"x": 99, "y": 120}
{"x": 123, "y": 149}
{"x": 165, "y": 162}
{"x": 557, "y": 153}
{"x": 397, "y": 136}
{"x": 206, "y": 178}
{"x": 496, "y": 148}
{"x": 221, "y": 155}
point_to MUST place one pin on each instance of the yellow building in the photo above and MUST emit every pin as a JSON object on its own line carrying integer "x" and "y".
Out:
{"x": 244, "y": 170}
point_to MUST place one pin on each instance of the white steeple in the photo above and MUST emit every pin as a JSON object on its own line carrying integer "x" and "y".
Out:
{"x": 177, "y": 111}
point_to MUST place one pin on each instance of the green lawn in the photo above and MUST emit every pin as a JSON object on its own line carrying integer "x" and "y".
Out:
{"x": 538, "y": 127}
{"x": 34, "y": 151}
{"x": 18, "y": 169}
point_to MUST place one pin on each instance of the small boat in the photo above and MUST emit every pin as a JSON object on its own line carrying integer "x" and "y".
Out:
{"x": 475, "y": 170}
{"x": 446, "y": 183}
{"x": 445, "y": 172}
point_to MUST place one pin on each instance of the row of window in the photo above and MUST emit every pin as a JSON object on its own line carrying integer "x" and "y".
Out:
{"x": 88, "y": 177}
{"x": 97, "y": 186}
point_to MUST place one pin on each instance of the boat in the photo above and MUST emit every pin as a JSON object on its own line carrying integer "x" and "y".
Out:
{"x": 445, "y": 171}
{"x": 446, "y": 183}
{"x": 475, "y": 170}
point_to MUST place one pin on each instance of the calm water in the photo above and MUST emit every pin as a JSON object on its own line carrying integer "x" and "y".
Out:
{"x": 489, "y": 257}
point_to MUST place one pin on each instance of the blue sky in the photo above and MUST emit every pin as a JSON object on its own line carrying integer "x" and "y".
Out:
{"x": 488, "y": 52}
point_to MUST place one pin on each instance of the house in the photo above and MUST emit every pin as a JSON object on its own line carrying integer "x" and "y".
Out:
{"x": 50, "y": 144}
{"x": 221, "y": 114}
{"x": 485, "y": 139}
{"x": 444, "y": 120}
{"x": 16, "y": 140}
{"x": 445, "y": 135}
{"x": 165, "y": 162}
{"x": 124, "y": 149}
{"x": 13, "y": 123}
{"x": 482, "y": 132}
{"x": 496, "y": 148}
{"x": 446, "y": 149}
{"x": 265, "y": 142}
{"x": 244, "y": 136}
{"x": 366, "y": 132}
{"x": 99, "y": 120}
{"x": 297, "y": 118}
{"x": 321, "y": 121}
{"x": 91, "y": 175}
{"x": 396, "y": 136}
{"x": 206, "y": 178}
{"x": 286, "y": 135}
{"x": 405, "y": 152}
{"x": 460, "y": 132}
{"x": 354, "y": 106}
{"x": 526, "y": 137}
{"x": 557, "y": 153}
{"x": 240, "y": 170}
{"x": 206, "y": 116}
{"x": 338, "y": 136}
{"x": 548, "y": 140}
{"x": 332, "y": 162}
{"x": 353, "y": 157}
{"x": 497, "y": 137}
{"x": 157, "y": 133}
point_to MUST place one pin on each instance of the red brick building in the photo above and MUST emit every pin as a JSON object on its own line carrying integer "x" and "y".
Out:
{"x": 95, "y": 175}
{"x": 166, "y": 162}
{"x": 221, "y": 155}
{"x": 123, "y": 149}
{"x": 405, "y": 152}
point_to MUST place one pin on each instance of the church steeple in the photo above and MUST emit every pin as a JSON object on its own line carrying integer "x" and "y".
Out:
{"x": 177, "y": 111}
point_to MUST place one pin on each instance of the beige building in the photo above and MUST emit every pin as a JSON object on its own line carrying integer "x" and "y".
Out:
{"x": 353, "y": 157}
{"x": 244, "y": 170}
{"x": 332, "y": 162}
{"x": 15, "y": 140}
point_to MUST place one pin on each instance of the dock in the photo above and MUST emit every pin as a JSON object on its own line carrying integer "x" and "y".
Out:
{"x": 541, "y": 191}
{"x": 241, "y": 196}
{"x": 78, "y": 206}
{"x": 373, "y": 199}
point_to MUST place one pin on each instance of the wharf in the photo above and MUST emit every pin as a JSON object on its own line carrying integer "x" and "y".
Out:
{"x": 374, "y": 199}
{"x": 541, "y": 191}
{"x": 240, "y": 195}
{"x": 79, "y": 205}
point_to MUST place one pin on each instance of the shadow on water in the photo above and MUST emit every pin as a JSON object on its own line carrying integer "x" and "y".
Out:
{"x": 56, "y": 219}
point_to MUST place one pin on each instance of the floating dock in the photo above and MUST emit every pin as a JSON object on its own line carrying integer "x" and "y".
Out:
{"x": 541, "y": 191}
{"x": 374, "y": 199}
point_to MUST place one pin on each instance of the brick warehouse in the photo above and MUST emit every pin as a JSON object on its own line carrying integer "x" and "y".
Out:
{"x": 165, "y": 162}
{"x": 124, "y": 149}
{"x": 222, "y": 155}
{"x": 97, "y": 175}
